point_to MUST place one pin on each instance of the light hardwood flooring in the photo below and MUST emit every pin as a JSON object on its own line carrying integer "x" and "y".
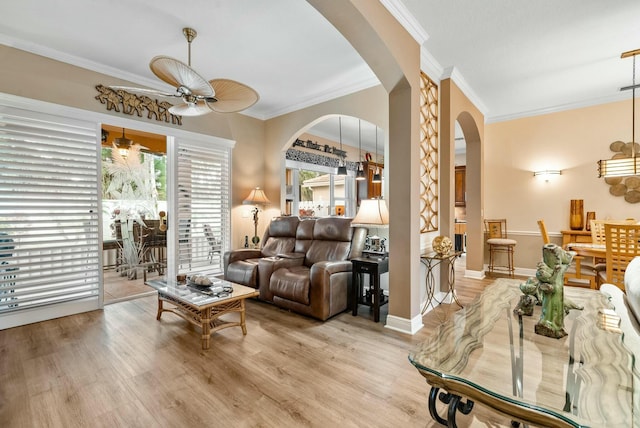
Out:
{"x": 121, "y": 368}
{"x": 118, "y": 288}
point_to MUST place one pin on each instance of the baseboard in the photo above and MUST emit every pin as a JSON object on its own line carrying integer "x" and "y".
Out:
{"x": 404, "y": 325}
{"x": 474, "y": 274}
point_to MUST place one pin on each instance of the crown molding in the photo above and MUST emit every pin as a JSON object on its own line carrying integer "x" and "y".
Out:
{"x": 80, "y": 62}
{"x": 453, "y": 74}
{"x": 406, "y": 19}
{"x": 558, "y": 108}
{"x": 430, "y": 65}
{"x": 324, "y": 95}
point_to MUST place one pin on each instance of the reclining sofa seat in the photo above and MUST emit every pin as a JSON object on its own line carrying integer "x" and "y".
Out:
{"x": 310, "y": 260}
{"x": 241, "y": 266}
{"x": 319, "y": 285}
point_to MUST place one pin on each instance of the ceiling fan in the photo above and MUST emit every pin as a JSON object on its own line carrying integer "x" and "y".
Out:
{"x": 198, "y": 96}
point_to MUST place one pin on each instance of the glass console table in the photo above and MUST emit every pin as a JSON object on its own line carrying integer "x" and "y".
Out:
{"x": 487, "y": 354}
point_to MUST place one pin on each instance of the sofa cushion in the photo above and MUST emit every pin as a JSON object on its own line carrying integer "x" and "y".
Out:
{"x": 243, "y": 272}
{"x": 278, "y": 245}
{"x": 304, "y": 235}
{"x": 280, "y": 236}
{"x": 632, "y": 286}
{"x": 291, "y": 284}
{"x": 331, "y": 240}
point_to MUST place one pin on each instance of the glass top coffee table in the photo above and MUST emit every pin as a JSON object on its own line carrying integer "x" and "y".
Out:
{"x": 204, "y": 307}
{"x": 487, "y": 354}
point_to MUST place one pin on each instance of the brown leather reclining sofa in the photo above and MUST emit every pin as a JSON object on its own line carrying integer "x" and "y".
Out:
{"x": 304, "y": 264}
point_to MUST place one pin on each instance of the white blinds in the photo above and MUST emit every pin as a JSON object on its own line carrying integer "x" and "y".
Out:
{"x": 49, "y": 235}
{"x": 203, "y": 207}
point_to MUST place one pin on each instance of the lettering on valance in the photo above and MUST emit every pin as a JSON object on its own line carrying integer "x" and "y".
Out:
{"x": 325, "y": 148}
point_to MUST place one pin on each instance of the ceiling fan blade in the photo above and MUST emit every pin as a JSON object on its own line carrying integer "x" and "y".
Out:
{"x": 178, "y": 74}
{"x": 232, "y": 96}
{"x": 146, "y": 91}
{"x": 191, "y": 109}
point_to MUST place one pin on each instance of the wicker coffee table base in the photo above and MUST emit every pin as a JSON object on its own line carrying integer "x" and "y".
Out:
{"x": 208, "y": 319}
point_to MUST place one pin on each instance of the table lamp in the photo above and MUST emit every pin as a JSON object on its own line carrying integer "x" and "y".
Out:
{"x": 256, "y": 197}
{"x": 373, "y": 213}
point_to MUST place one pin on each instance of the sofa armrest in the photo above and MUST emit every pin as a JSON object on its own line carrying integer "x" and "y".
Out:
{"x": 332, "y": 267}
{"x": 329, "y": 293}
{"x": 294, "y": 256}
{"x": 241, "y": 254}
{"x": 267, "y": 266}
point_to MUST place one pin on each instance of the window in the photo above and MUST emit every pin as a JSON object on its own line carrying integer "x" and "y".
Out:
{"x": 49, "y": 236}
{"x": 317, "y": 192}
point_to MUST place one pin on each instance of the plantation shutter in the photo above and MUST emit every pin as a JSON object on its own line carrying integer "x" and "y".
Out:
{"x": 204, "y": 205}
{"x": 49, "y": 238}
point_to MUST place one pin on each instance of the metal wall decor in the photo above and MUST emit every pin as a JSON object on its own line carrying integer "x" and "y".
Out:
{"x": 131, "y": 103}
{"x": 317, "y": 159}
{"x": 325, "y": 148}
{"x": 428, "y": 154}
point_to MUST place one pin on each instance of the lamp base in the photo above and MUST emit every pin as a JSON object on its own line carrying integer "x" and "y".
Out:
{"x": 255, "y": 240}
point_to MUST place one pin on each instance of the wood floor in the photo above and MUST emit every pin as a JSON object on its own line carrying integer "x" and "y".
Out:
{"x": 118, "y": 288}
{"x": 121, "y": 368}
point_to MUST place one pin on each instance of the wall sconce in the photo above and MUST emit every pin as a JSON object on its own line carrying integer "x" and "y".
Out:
{"x": 547, "y": 174}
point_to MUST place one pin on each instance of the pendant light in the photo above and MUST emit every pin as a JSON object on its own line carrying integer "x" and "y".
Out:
{"x": 342, "y": 169}
{"x": 360, "y": 175}
{"x": 628, "y": 166}
{"x": 123, "y": 143}
{"x": 377, "y": 178}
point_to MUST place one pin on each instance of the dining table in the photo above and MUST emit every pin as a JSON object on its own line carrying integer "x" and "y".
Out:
{"x": 584, "y": 249}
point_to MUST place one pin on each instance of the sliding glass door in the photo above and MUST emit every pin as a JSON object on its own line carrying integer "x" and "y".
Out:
{"x": 49, "y": 222}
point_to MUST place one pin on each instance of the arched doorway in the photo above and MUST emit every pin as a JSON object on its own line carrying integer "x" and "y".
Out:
{"x": 473, "y": 199}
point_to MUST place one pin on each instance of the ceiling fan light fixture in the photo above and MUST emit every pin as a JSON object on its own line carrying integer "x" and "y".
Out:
{"x": 225, "y": 95}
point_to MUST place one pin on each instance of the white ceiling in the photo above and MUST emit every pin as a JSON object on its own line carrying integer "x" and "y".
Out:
{"x": 512, "y": 58}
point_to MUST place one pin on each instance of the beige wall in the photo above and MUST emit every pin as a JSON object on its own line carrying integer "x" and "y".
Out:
{"x": 455, "y": 106}
{"x": 572, "y": 141}
{"x": 36, "y": 77}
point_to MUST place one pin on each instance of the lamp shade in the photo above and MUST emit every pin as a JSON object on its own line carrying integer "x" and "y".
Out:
{"x": 256, "y": 197}
{"x": 372, "y": 212}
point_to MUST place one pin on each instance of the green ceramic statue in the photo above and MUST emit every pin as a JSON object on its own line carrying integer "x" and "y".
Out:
{"x": 550, "y": 275}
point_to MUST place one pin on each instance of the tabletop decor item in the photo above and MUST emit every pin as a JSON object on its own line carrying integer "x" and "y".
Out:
{"x": 548, "y": 290}
{"x": 442, "y": 245}
{"x": 576, "y": 215}
{"x": 591, "y": 215}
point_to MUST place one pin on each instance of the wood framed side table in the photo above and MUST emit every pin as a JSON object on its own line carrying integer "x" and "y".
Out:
{"x": 374, "y": 297}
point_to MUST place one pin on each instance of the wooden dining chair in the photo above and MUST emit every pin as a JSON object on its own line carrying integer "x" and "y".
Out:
{"x": 543, "y": 232}
{"x": 623, "y": 244}
{"x": 580, "y": 273}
